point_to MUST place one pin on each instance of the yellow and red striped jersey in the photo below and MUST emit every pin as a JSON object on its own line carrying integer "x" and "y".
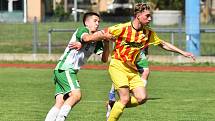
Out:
{"x": 129, "y": 41}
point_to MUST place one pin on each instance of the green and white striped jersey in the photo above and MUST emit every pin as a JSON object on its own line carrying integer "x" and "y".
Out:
{"x": 73, "y": 59}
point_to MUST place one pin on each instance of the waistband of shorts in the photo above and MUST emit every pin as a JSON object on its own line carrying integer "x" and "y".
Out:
{"x": 70, "y": 70}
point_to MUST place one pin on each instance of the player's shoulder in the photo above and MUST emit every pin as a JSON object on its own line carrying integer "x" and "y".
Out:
{"x": 121, "y": 25}
{"x": 83, "y": 29}
{"x": 148, "y": 28}
{"x": 126, "y": 24}
{"x": 80, "y": 32}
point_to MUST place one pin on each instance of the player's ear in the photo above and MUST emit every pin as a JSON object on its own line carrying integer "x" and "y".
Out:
{"x": 138, "y": 16}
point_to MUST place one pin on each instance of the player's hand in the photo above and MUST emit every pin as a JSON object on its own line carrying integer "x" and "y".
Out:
{"x": 107, "y": 36}
{"x": 189, "y": 55}
{"x": 110, "y": 37}
{"x": 75, "y": 45}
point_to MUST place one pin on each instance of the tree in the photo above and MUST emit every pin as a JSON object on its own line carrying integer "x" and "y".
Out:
{"x": 170, "y": 4}
{"x": 60, "y": 13}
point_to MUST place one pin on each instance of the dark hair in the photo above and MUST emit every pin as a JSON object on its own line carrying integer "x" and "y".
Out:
{"x": 88, "y": 14}
{"x": 141, "y": 7}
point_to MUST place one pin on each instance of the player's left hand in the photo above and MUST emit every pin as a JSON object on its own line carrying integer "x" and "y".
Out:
{"x": 75, "y": 45}
{"x": 189, "y": 55}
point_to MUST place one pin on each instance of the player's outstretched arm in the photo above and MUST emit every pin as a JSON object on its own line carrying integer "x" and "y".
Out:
{"x": 169, "y": 47}
{"x": 97, "y": 36}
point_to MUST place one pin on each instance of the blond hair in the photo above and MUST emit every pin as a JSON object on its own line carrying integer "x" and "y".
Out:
{"x": 141, "y": 7}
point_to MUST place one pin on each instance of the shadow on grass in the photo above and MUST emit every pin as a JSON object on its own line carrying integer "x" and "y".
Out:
{"x": 154, "y": 98}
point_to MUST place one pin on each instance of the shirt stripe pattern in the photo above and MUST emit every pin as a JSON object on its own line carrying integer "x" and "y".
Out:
{"x": 129, "y": 41}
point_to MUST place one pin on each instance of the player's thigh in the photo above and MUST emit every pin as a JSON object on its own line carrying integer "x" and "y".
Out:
{"x": 135, "y": 81}
{"x": 59, "y": 90}
{"x": 73, "y": 97}
{"x": 119, "y": 73}
{"x": 72, "y": 80}
{"x": 118, "y": 77}
{"x": 67, "y": 81}
{"x": 140, "y": 94}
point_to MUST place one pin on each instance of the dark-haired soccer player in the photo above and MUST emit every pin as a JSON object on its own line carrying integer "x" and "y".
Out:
{"x": 67, "y": 88}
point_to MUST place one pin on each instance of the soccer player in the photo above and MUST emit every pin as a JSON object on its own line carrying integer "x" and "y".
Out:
{"x": 131, "y": 38}
{"x": 67, "y": 88}
{"x": 143, "y": 69}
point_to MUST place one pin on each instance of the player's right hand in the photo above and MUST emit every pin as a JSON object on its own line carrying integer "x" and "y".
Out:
{"x": 75, "y": 45}
{"x": 108, "y": 36}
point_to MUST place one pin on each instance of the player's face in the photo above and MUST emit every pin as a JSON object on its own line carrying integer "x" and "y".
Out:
{"x": 144, "y": 17}
{"x": 93, "y": 23}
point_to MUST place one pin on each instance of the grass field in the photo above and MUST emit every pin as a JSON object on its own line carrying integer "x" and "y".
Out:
{"x": 27, "y": 95}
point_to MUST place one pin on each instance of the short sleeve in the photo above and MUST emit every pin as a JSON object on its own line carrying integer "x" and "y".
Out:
{"x": 80, "y": 33}
{"x": 154, "y": 39}
{"x": 115, "y": 30}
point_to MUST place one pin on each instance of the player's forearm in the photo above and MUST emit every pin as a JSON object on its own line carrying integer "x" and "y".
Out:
{"x": 97, "y": 36}
{"x": 169, "y": 47}
{"x": 106, "y": 52}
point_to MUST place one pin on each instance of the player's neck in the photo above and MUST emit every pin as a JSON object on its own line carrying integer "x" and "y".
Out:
{"x": 136, "y": 25}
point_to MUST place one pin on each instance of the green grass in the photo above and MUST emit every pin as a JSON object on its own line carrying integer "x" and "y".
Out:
{"x": 27, "y": 95}
{"x": 17, "y": 38}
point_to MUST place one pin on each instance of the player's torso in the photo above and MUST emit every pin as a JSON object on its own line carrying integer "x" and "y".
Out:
{"x": 73, "y": 58}
{"x": 129, "y": 43}
{"x": 78, "y": 58}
